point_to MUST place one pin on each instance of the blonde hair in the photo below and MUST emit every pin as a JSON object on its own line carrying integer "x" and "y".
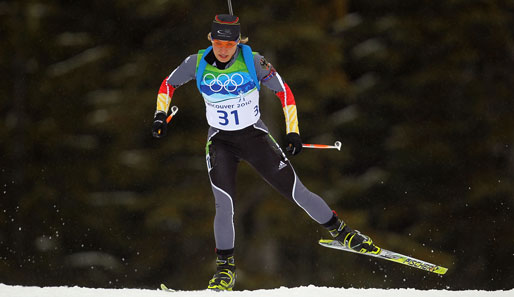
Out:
{"x": 242, "y": 40}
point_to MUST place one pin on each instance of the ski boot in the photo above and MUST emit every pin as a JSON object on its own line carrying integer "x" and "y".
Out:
{"x": 225, "y": 277}
{"x": 350, "y": 238}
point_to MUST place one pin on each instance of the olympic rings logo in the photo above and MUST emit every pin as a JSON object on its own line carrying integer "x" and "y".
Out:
{"x": 223, "y": 81}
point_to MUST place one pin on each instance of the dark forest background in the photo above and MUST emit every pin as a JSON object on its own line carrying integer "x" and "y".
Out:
{"x": 419, "y": 92}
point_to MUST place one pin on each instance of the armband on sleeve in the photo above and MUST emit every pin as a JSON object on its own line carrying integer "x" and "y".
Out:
{"x": 289, "y": 107}
{"x": 164, "y": 96}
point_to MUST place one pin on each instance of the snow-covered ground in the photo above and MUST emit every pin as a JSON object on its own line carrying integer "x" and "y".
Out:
{"x": 310, "y": 291}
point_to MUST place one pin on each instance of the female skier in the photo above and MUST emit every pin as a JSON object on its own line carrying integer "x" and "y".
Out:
{"x": 229, "y": 75}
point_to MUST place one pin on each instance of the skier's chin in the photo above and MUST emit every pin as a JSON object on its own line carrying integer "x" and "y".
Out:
{"x": 223, "y": 58}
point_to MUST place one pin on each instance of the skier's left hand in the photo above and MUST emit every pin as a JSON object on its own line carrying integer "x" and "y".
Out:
{"x": 159, "y": 126}
{"x": 294, "y": 143}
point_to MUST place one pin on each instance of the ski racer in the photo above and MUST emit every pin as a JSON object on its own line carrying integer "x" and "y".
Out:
{"x": 229, "y": 76}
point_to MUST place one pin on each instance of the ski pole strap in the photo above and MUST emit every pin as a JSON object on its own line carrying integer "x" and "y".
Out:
{"x": 337, "y": 146}
{"x": 174, "y": 110}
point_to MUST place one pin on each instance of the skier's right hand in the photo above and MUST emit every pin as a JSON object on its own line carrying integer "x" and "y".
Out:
{"x": 159, "y": 126}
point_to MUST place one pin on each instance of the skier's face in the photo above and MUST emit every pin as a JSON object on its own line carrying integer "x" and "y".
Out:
{"x": 224, "y": 50}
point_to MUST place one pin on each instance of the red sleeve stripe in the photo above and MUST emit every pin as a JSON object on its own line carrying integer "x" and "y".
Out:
{"x": 166, "y": 88}
{"x": 226, "y": 22}
{"x": 164, "y": 96}
{"x": 286, "y": 97}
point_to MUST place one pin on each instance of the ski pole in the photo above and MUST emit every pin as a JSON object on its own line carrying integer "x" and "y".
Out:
{"x": 174, "y": 110}
{"x": 337, "y": 146}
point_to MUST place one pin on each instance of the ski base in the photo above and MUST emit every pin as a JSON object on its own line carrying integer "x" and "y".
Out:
{"x": 388, "y": 255}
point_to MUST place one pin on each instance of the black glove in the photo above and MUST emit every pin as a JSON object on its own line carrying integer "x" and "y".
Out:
{"x": 159, "y": 126}
{"x": 294, "y": 143}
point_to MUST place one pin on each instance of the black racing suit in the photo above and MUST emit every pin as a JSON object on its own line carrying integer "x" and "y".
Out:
{"x": 253, "y": 144}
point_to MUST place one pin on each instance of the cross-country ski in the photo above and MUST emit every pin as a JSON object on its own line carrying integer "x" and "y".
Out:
{"x": 388, "y": 255}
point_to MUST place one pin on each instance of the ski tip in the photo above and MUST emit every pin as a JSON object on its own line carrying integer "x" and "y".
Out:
{"x": 440, "y": 270}
{"x": 166, "y": 289}
{"x": 163, "y": 287}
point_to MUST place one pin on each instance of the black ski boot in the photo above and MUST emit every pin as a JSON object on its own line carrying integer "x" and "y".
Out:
{"x": 350, "y": 238}
{"x": 225, "y": 277}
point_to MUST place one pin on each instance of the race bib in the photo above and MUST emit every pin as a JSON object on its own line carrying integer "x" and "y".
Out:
{"x": 231, "y": 100}
{"x": 233, "y": 114}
